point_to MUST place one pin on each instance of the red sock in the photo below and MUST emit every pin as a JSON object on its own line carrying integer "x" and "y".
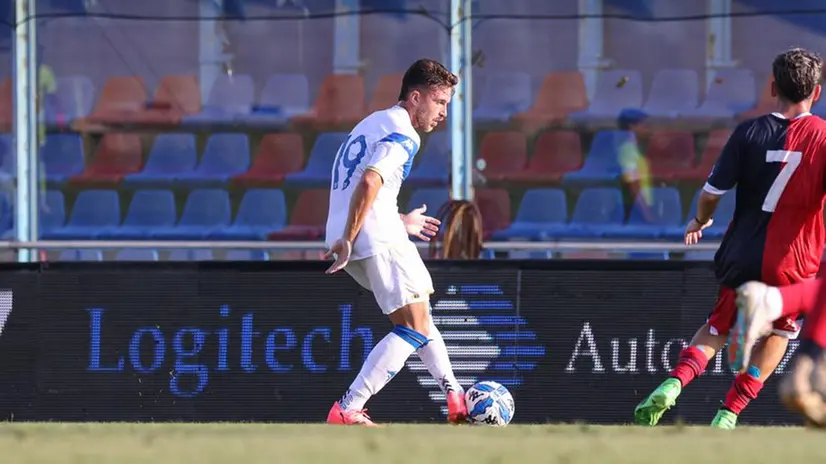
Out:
{"x": 744, "y": 389}
{"x": 800, "y": 297}
{"x": 692, "y": 363}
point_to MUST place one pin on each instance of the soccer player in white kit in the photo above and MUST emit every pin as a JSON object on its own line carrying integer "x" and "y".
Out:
{"x": 369, "y": 239}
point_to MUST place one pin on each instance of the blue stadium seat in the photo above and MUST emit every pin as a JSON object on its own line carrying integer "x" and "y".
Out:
{"x": 148, "y": 211}
{"x": 616, "y": 90}
{"x": 206, "y": 211}
{"x": 63, "y": 157}
{"x": 225, "y": 156}
{"x": 602, "y": 162}
{"x": 433, "y": 198}
{"x": 171, "y": 155}
{"x": 666, "y": 213}
{"x": 504, "y": 95}
{"x": 433, "y": 164}
{"x": 230, "y": 100}
{"x": 191, "y": 255}
{"x": 317, "y": 171}
{"x": 261, "y": 211}
{"x": 247, "y": 255}
{"x": 54, "y": 215}
{"x": 595, "y": 209}
{"x": 81, "y": 255}
{"x": 699, "y": 256}
{"x": 648, "y": 256}
{"x": 137, "y": 254}
{"x": 722, "y": 217}
{"x": 93, "y": 211}
{"x": 8, "y": 162}
{"x": 538, "y": 210}
{"x": 284, "y": 96}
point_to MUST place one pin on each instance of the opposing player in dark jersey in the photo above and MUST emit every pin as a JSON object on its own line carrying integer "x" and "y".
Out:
{"x": 777, "y": 163}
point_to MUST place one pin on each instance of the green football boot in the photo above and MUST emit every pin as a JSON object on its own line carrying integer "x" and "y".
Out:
{"x": 724, "y": 420}
{"x": 651, "y": 409}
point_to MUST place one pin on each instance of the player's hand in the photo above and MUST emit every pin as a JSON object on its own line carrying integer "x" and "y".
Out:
{"x": 341, "y": 249}
{"x": 419, "y": 225}
{"x": 694, "y": 231}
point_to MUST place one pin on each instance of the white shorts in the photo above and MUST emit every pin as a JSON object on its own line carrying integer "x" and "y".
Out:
{"x": 397, "y": 276}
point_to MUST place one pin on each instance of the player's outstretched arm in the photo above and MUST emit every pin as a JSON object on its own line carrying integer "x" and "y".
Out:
{"x": 706, "y": 205}
{"x": 362, "y": 200}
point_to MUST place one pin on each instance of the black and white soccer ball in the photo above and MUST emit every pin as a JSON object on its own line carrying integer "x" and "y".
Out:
{"x": 489, "y": 403}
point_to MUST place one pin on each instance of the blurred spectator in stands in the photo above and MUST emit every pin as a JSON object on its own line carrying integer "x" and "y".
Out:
{"x": 46, "y": 98}
{"x": 636, "y": 173}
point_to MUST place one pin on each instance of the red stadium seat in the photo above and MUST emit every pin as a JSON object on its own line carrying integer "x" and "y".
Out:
{"x": 309, "y": 217}
{"x": 561, "y": 94}
{"x": 386, "y": 93}
{"x": 670, "y": 153}
{"x": 340, "y": 104}
{"x": 6, "y": 105}
{"x": 278, "y": 155}
{"x": 495, "y": 208}
{"x": 119, "y": 101}
{"x": 505, "y": 154}
{"x": 119, "y": 154}
{"x": 714, "y": 145}
{"x": 555, "y": 154}
{"x": 175, "y": 97}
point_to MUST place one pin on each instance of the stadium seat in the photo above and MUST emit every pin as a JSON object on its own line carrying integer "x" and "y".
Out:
{"x": 278, "y": 155}
{"x": 561, "y": 94}
{"x": 174, "y": 98}
{"x": 8, "y": 160}
{"x": 320, "y": 163}
{"x": 495, "y": 207}
{"x": 136, "y": 254}
{"x": 6, "y": 104}
{"x": 121, "y": 98}
{"x": 713, "y": 146}
{"x": 171, "y": 155}
{"x": 555, "y": 154}
{"x": 765, "y": 104}
{"x": 602, "y": 162}
{"x": 433, "y": 198}
{"x": 80, "y": 255}
{"x": 386, "y": 93}
{"x": 670, "y": 153}
{"x": 433, "y": 164}
{"x": 539, "y": 210}
{"x": 504, "y": 154}
{"x": 616, "y": 90}
{"x": 75, "y": 97}
{"x": 148, "y": 211}
{"x": 308, "y": 218}
{"x": 596, "y": 208}
{"x": 53, "y": 216}
{"x": 231, "y": 98}
{"x": 6, "y": 214}
{"x": 284, "y": 96}
{"x": 246, "y": 255}
{"x": 63, "y": 157}
{"x": 504, "y": 95}
{"x": 699, "y": 256}
{"x": 191, "y": 255}
{"x": 722, "y": 217}
{"x": 673, "y": 92}
{"x": 340, "y": 102}
{"x": 93, "y": 211}
{"x": 665, "y": 213}
{"x": 119, "y": 155}
{"x": 225, "y": 156}
{"x": 261, "y": 211}
{"x": 732, "y": 91}
{"x": 206, "y": 211}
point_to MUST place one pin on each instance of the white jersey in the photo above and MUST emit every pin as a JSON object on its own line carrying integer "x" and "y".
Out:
{"x": 384, "y": 142}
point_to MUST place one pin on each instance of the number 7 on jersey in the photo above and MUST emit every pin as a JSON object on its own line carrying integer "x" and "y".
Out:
{"x": 792, "y": 160}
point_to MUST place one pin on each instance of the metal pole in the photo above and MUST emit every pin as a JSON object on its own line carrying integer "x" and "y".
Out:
{"x": 25, "y": 126}
{"x": 461, "y": 107}
{"x": 346, "y": 38}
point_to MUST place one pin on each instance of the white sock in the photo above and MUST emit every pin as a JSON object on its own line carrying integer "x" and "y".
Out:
{"x": 382, "y": 364}
{"x": 434, "y": 356}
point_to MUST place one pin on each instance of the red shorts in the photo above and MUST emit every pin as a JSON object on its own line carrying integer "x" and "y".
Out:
{"x": 724, "y": 316}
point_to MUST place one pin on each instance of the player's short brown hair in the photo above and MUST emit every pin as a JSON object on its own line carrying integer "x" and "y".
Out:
{"x": 426, "y": 74}
{"x": 796, "y": 74}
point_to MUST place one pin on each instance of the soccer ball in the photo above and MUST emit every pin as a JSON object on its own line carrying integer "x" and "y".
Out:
{"x": 489, "y": 403}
